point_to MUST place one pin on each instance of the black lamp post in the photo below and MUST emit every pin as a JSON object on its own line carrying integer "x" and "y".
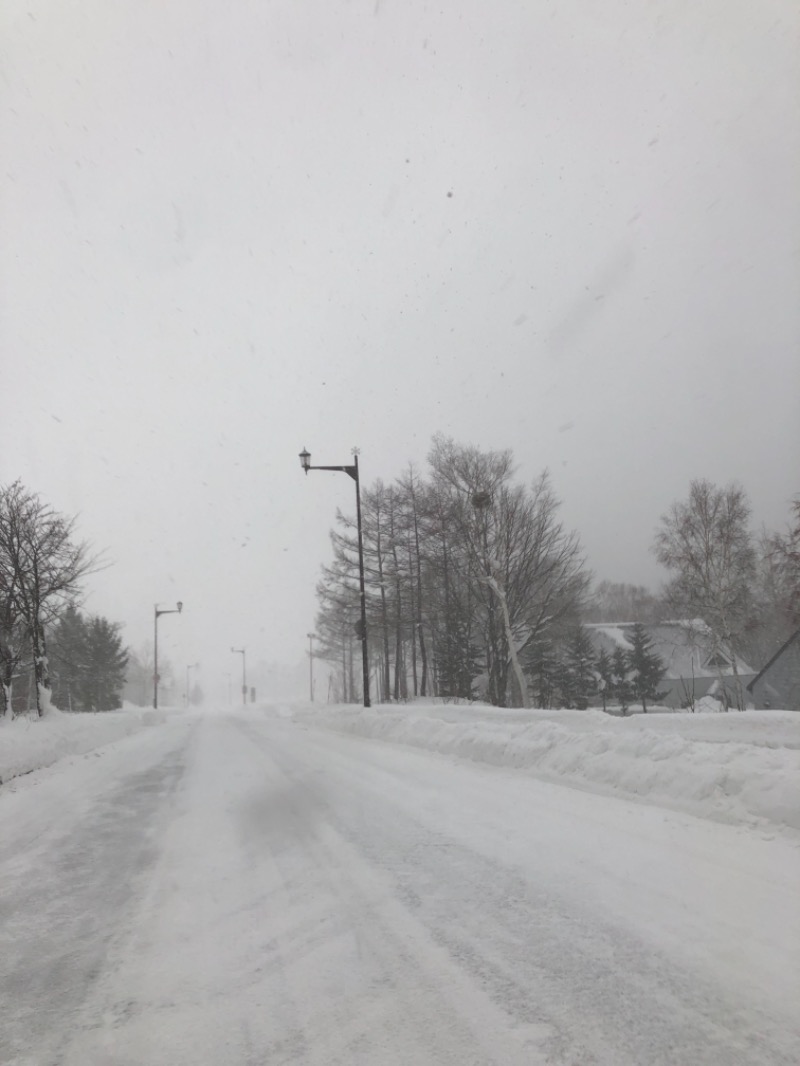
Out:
{"x": 157, "y": 612}
{"x": 305, "y": 462}
{"x": 241, "y": 651}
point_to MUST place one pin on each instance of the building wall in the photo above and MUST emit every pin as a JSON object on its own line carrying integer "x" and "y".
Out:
{"x": 678, "y": 689}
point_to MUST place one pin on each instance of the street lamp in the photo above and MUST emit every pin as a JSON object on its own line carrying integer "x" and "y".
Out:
{"x": 192, "y": 666}
{"x": 157, "y": 612}
{"x": 241, "y": 651}
{"x": 311, "y": 638}
{"x": 361, "y": 628}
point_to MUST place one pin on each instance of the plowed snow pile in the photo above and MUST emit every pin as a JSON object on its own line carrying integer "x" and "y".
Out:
{"x": 737, "y": 767}
{"x": 28, "y": 744}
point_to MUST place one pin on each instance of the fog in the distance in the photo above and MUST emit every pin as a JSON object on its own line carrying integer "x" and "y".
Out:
{"x": 234, "y": 230}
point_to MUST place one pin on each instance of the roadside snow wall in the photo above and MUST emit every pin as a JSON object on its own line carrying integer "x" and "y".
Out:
{"x": 738, "y": 767}
{"x": 28, "y": 744}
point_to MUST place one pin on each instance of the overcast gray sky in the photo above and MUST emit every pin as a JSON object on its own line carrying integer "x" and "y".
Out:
{"x": 231, "y": 230}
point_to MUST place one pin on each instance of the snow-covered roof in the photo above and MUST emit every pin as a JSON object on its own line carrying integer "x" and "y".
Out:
{"x": 686, "y": 646}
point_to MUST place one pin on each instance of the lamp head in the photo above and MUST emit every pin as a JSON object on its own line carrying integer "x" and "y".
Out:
{"x": 305, "y": 460}
{"x": 180, "y": 606}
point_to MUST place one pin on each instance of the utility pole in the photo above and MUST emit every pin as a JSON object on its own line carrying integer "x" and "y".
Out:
{"x": 241, "y": 651}
{"x": 156, "y": 615}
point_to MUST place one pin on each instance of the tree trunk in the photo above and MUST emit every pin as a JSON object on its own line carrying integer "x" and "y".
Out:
{"x": 448, "y": 638}
{"x": 737, "y": 681}
{"x": 412, "y": 614}
{"x": 344, "y": 672}
{"x": 398, "y": 643}
{"x": 41, "y": 670}
{"x": 518, "y": 673}
{"x": 350, "y": 678}
{"x": 422, "y": 650}
{"x": 740, "y": 696}
{"x": 384, "y": 615}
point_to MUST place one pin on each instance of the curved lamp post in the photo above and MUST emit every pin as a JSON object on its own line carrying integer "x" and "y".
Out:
{"x": 361, "y": 628}
{"x": 241, "y": 651}
{"x": 157, "y": 612}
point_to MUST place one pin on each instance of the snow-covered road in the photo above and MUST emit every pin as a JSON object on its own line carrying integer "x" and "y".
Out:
{"x": 243, "y": 888}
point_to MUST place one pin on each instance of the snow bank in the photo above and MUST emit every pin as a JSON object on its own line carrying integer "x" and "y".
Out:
{"x": 738, "y": 767}
{"x": 28, "y": 744}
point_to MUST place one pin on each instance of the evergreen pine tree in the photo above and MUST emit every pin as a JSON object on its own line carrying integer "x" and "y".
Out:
{"x": 580, "y": 669}
{"x": 67, "y": 658}
{"x": 88, "y": 662}
{"x": 106, "y": 660}
{"x": 541, "y": 665}
{"x": 605, "y": 669}
{"x": 621, "y": 686}
{"x": 562, "y": 684}
{"x": 646, "y": 665}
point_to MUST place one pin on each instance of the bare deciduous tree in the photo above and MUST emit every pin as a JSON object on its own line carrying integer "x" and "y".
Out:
{"x": 618, "y": 601}
{"x": 528, "y": 563}
{"x": 784, "y": 551}
{"x": 776, "y": 592}
{"x": 13, "y": 635}
{"x": 463, "y": 570}
{"x": 484, "y": 511}
{"x": 705, "y": 541}
{"x": 42, "y": 566}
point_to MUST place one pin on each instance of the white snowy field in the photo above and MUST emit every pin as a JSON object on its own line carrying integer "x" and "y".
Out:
{"x": 256, "y": 886}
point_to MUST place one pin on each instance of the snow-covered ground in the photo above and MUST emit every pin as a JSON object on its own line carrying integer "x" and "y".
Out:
{"x": 264, "y": 885}
{"x": 738, "y": 767}
{"x": 28, "y": 744}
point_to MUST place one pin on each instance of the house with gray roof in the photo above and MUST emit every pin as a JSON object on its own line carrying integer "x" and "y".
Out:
{"x": 696, "y": 662}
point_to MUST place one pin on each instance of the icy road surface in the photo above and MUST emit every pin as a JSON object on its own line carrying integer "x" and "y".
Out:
{"x": 244, "y": 889}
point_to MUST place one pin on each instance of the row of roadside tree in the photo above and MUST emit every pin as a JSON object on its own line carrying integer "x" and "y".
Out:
{"x": 74, "y": 661}
{"x": 475, "y": 587}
